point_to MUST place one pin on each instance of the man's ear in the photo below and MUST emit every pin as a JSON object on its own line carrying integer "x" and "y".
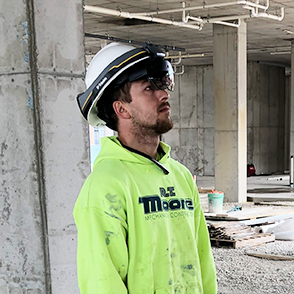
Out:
{"x": 120, "y": 109}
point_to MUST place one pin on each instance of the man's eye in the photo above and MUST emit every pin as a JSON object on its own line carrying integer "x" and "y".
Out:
{"x": 150, "y": 88}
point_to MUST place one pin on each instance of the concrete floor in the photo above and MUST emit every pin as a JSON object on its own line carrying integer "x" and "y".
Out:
{"x": 273, "y": 188}
{"x": 236, "y": 271}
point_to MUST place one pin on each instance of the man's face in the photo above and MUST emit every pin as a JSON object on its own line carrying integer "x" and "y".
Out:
{"x": 149, "y": 109}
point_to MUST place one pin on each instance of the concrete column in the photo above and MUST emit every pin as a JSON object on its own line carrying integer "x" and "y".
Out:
{"x": 291, "y": 104}
{"x": 43, "y": 144}
{"x": 230, "y": 87}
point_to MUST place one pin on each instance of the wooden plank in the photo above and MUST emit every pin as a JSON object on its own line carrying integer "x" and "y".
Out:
{"x": 279, "y": 203}
{"x": 269, "y": 198}
{"x": 230, "y": 230}
{"x": 249, "y": 213}
{"x": 257, "y": 239}
{"x": 204, "y": 191}
{"x": 269, "y": 219}
{"x": 269, "y": 256}
{"x": 221, "y": 242}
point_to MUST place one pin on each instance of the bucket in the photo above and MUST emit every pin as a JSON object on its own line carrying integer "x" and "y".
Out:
{"x": 215, "y": 201}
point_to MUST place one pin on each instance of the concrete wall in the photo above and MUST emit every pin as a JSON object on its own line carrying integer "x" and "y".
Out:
{"x": 193, "y": 115}
{"x": 287, "y": 122}
{"x": 266, "y": 117}
{"x": 43, "y": 144}
{"x": 192, "y": 138}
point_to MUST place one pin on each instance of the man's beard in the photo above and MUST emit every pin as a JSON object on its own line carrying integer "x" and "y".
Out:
{"x": 161, "y": 126}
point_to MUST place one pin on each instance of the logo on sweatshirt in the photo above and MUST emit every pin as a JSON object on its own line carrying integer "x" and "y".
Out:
{"x": 167, "y": 200}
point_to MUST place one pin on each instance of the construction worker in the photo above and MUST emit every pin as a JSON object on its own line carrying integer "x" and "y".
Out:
{"x": 140, "y": 226}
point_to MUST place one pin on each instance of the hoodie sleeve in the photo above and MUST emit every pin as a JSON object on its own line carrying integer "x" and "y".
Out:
{"x": 206, "y": 259}
{"x": 102, "y": 256}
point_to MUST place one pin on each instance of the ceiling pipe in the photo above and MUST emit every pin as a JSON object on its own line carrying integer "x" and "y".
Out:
{"x": 181, "y": 72}
{"x": 271, "y": 16}
{"x": 255, "y": 5}
{"x": 253, "y": 13}
{"x": 129, "y": 41}
{"x": 185, "y": 18}
{"x": 230, "y": 24}
{"x": 184, "y": 56}
{"x": 118, "y": 13}
{"x": 197, "y": 23}
{"x": 175, "y": 62}
{"x": 280, "y": 53}
{"x": 225, "y": 18}
{"x": 256, "y": 13}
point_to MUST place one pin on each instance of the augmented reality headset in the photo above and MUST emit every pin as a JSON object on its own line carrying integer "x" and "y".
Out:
{"x": 140, "y": 63}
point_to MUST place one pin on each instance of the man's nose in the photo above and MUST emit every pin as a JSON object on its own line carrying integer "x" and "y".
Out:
{"x": 163, "y": 95}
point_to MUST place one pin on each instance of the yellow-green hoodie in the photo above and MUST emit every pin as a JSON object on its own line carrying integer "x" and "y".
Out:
{"x": 141, "y": 231}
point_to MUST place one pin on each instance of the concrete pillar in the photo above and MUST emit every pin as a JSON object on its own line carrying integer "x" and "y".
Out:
{"x": 291, "y": 104}
{"x": 43, "y": 144}
{"x": 287, "y": 119}
{"x": 230, "y": 86}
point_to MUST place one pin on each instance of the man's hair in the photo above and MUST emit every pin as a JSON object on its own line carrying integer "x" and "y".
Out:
{"x": 111, "y": 94}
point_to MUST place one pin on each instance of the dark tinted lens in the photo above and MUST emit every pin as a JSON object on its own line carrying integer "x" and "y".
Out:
{"x": 163, "y": 83}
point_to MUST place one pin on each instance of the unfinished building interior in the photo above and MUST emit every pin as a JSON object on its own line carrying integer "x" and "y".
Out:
{"x": 233, "y": 105}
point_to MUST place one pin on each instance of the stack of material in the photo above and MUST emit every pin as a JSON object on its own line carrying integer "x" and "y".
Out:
{"x": 282, "y": 226}
{"x": 236, "y": 235}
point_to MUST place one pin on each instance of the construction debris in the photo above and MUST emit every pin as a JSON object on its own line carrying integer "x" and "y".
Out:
{"x": 278, "y": 203}
{"x": 279, "y": 196}
{"x": 269, "y": 256}
{"x": 250, "y": 213}
{"x": 283, "y": 229}
{"x": 236, "y": 235}
{"x": 268, "y": 219}
{"x": 236, "y": 208}
{"x": 229, "y": 230}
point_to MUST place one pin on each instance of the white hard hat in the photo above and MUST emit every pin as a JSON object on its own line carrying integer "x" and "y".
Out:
{"x": 115, "y": 64}
{"x": 103, "y": 58}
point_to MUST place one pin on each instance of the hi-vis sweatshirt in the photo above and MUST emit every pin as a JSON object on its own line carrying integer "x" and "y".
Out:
{"x": 141, "y": 231}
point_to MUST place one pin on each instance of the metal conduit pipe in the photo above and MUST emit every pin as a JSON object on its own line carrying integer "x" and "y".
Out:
{"x": 175, "y": 62}
{"x": 184, "y": 56}
{"x": 181, "y": 72}
{"x": 227, "y": 23}
{"x": 185, "y": 18}
{"x": 117, "y": 13}
{"x": 195, "y": 19}
{"x": 275, "y": 17}
{"x": 255, "y": 5}
{"x": 225, "y": 18}
{"x": 197, "y": 22}
{"x": 255, "y": 13}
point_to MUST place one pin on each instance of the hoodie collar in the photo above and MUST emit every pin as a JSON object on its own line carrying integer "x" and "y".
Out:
{"x": 113, "y": 149}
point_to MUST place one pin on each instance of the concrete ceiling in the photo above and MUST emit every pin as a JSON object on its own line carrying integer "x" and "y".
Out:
{"x": 268, "y": 40}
